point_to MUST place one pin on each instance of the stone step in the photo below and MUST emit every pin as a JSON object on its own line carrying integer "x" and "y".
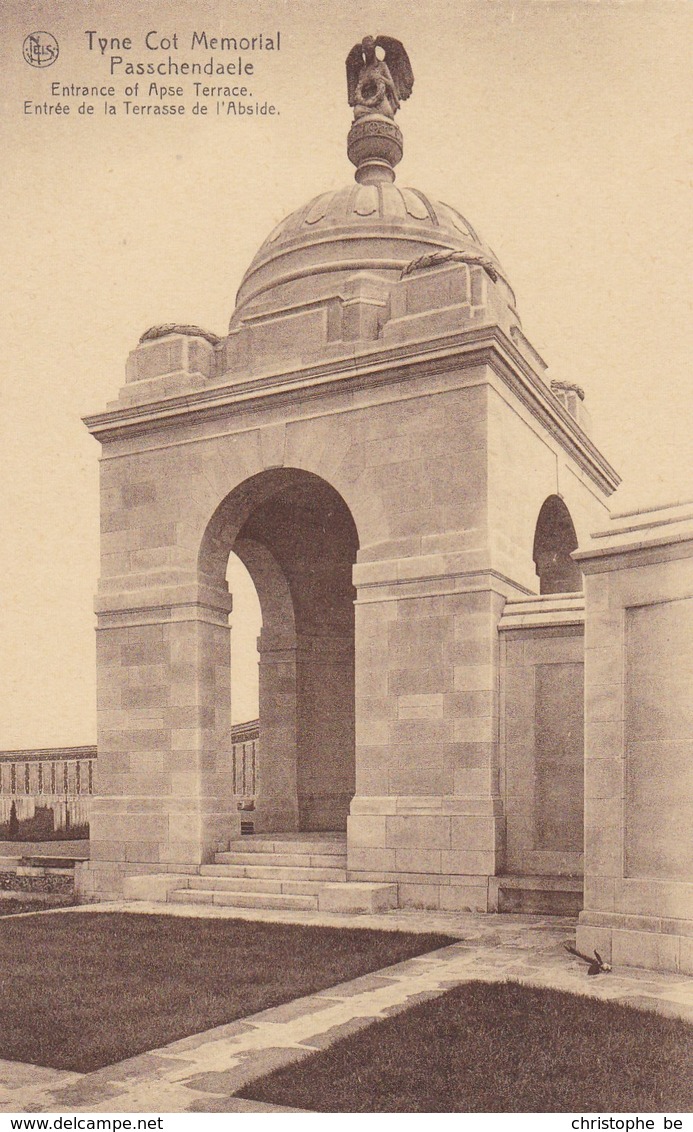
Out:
{"x": 356, "y": 897}
{"x": 275, "y": 872}
{"x": 258, "y": 843}
{"x": 244, "y": 899}
{"x": 154, "y": 887}
{"x": 307, "y": 891}
{"x": 345, "y": 898}
{"x": 540, "y": 895}
{"x": 253, "y": 884}
{"x": 282, "y": 860}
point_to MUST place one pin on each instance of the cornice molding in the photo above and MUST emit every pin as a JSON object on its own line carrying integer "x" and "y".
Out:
{"x": 543, "y": 612}
{"x": 485, "y": 345}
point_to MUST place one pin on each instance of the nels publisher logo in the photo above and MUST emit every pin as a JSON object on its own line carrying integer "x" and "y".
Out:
{"x": 40, "y": 49}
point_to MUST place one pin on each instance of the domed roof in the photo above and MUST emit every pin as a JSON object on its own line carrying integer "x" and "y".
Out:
{"x": 363, "y": 227}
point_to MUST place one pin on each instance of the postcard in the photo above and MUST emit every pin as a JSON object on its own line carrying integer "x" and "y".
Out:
{"x": 346, "y": 397}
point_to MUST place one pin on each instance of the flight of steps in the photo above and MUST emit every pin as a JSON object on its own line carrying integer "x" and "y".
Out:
{"x": 259, "y": 872}
{"x": 294, "y": 872}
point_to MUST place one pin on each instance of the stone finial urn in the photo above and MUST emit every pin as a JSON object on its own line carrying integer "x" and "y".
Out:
{"x": 375, "y": 146}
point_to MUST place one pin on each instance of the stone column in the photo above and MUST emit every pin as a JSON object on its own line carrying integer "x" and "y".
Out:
{"x": 325, "y": 743}
{"x": 277, "y": 804}
{"x": 164, "y": 789}
{"x": 427, "y": 811}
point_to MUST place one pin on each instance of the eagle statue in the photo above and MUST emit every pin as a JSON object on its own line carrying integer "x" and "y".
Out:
{"x": 377, "y": 86}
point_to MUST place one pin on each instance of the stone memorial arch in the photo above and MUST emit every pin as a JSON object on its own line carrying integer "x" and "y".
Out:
{"x": 376, "y": 439}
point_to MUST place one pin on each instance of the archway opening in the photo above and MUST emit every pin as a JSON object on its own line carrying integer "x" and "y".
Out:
{"x": 554, "y": 541}
{"x": 295, "y": 536}
{"x": 246, "y": 626}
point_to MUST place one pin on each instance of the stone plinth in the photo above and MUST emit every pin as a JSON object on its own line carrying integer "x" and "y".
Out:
{"x": 639, "y": 740}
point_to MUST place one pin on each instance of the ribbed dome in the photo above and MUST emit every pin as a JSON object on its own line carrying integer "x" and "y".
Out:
{"x": 364, "y": 227}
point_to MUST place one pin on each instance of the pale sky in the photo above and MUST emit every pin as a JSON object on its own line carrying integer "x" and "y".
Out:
{"x": 561, "y": 130}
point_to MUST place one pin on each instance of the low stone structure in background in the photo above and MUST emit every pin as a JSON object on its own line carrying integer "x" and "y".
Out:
{"x": 46, "y": 793}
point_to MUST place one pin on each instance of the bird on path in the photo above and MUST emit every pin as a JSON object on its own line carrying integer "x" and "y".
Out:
{"x": 597, "y": 966}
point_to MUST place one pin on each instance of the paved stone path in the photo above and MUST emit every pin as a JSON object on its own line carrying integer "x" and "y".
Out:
{"x": 201, "y": 1073}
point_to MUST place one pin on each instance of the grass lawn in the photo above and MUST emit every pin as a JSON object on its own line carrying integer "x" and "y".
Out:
{"x": 499, "y": 1047}
{"x": 82, "y": 990}
{"x": 11, "y": 905}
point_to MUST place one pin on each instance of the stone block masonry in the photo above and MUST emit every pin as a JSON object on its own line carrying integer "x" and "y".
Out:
{"x": 639, "y": 740}
{"x": 375, "y": 439}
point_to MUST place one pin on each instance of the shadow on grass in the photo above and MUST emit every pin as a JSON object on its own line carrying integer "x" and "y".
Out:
{"x": 497, "y": 1047}
{"x": 87, "y": 989}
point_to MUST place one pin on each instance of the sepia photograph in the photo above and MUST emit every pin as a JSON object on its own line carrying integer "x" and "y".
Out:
{"x": 346, "y": 727}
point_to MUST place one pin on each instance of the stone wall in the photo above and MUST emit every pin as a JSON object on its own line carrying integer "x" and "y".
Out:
{"x": 639, "y": 740}
{"x": 542, "y": 735}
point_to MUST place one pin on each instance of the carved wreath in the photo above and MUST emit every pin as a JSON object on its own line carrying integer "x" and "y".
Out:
{"x": 438, "y": 259}
{"x": 169, "y": 328}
